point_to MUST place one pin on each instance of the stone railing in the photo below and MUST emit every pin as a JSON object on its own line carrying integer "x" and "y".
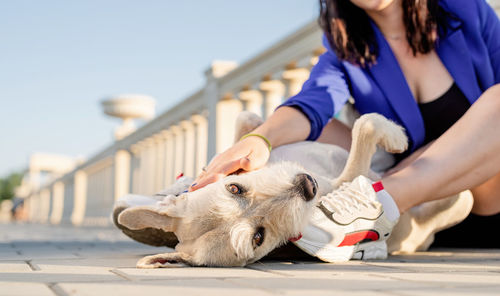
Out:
{"x": 181, "y": 139}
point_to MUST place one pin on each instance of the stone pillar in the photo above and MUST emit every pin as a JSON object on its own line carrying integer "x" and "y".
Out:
{"x": 149, "y": 168}
{"x": 212, "y": 96}
{"x": 226, "y": 114}
{"x": 44, "y": 206}
{"x": 178, "y": 150}
{"x": 315, "y": 58}
{"x": 29, "y": 205}
{"x": 121, "y": 173}
{"x": 34, "y": 178}
{"x": 57, "y": 202}
{"x": 80, "y": 197}
{"x": 189, "y": 147}
{"x": 294, "y": 79}
{"x": 33, "y": 208}
{"x": 273, "y": 93}
{"x": 143, "y": 163}
{"x": 201, "y": 129}
{"x": 253, "y": 100}
{"x": 159, "y": 162}
{"x": 169, "y": 157}
{"x": 136, "y": 168}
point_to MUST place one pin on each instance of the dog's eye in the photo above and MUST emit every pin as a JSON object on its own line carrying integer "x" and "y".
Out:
{"x": 234, "y": 189}
{"x": 258, "y": 237}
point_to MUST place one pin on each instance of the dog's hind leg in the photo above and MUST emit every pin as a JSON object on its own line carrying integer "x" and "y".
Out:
{"x": 368, "y": 131}
{"x": 246, "y": 122}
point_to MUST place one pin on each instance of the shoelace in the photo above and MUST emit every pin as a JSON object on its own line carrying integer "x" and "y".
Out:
{"x": 346, "y": 198}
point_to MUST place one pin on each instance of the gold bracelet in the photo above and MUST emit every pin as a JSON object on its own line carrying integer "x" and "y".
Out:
{"x": 260, "y": 136}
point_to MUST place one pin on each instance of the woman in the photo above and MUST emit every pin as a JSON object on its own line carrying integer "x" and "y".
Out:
{"x": 433, "y": 67}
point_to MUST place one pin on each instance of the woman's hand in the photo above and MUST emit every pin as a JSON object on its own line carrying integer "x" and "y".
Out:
{"x": 286, "y": 125}
{"x": 248, "y": 154}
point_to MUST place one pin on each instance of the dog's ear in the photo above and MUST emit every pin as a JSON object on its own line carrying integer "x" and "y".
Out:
{"x": 164, "y": 260}
{"x": 136, "y": 218}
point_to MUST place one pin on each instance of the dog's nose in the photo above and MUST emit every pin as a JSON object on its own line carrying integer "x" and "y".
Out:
{"x": 306, "y": 185}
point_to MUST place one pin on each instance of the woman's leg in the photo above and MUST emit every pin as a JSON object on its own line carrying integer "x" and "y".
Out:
{"x": 466, "y": 156}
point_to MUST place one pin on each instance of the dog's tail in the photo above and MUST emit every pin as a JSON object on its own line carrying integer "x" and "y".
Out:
{"x": 368, "y": 131}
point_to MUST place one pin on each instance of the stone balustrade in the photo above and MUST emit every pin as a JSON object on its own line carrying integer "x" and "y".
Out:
{"x": 184, "y": 137}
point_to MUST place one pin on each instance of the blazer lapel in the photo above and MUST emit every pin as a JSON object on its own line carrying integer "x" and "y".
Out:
{"x": 391, "y": 81}
{"x": 455, "y": 55}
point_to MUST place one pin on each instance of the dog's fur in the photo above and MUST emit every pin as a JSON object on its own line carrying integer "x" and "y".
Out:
{"x": 217, "y": 227}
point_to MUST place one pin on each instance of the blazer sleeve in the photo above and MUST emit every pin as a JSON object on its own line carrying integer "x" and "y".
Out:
{"x": 490, "y": 27}
{"x": 323, "y": 94}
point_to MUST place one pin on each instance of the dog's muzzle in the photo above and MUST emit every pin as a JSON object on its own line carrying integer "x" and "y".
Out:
{"x": 306, "y": 186}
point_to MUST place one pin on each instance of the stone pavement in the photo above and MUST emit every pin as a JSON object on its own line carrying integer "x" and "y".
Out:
{"x": 43, "y": 260}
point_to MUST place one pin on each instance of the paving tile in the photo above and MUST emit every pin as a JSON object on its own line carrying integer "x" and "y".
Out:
{"x": 110, "y": 263}
{"x": 7, "y": 266}
{"x": 24, "y": 289}
{"x": 448, "y": 279}
{"x": 320, "y": 270}
{"x": 170, "y": 287}
{"x": 483, "y": 290}
{"x": 443, "y": 266}
{"x": 47, "y": 272}
{"x": 10, "y": 254}
{"x": 194, "y": 272}
{"x": 344, "y": 282}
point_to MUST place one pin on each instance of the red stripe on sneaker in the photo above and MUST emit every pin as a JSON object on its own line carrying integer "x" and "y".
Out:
{"x": 377, "y": 186}
{"x": 179, "y": 176}
{"x": 353, "y": 238}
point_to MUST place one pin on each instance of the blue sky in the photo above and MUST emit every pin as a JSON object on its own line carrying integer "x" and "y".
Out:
{"x": 59, "y": 59}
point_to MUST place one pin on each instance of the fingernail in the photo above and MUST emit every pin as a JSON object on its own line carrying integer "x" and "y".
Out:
{"x": 194, "y": 184}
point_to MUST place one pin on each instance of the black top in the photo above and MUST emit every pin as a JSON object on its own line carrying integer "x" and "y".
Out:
{"x": 441, "y": 113}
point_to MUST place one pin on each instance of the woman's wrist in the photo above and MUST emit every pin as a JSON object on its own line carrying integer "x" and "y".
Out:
{"x": 264, "y": 138}
{"x": 286, "y": 125}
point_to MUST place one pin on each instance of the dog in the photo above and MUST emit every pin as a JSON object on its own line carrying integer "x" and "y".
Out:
{"x": 241, "y": 218}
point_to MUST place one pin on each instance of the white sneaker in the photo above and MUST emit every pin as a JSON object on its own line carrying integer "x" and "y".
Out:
{"x": 352, "y": 222}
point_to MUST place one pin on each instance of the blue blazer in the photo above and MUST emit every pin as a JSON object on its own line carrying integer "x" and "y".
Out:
{"x": 470, "y": 51}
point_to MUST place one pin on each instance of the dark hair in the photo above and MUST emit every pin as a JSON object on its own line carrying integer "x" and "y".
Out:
{"x": 349, "y": 33}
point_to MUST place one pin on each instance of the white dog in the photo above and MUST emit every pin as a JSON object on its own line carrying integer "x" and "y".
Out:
{"x": 241, "y": 218}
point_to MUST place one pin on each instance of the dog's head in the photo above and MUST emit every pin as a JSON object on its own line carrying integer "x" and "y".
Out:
{"x": 232, "y": 222}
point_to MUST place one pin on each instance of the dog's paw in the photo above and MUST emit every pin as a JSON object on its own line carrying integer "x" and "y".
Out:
{"x": 392, "y": 137}
{"x": 180, "y": 186}
{"x": 395, "y": 140}
{"x": 166, "y": 260}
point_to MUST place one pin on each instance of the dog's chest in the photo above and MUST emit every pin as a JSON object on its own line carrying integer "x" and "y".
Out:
{"x": 319, "y": 159}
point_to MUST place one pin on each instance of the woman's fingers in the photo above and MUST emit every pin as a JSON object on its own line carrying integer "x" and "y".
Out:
{"x": 214, "y": 175}
{"x": 205, "y": 180}
{"x": 247, "y": 155}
